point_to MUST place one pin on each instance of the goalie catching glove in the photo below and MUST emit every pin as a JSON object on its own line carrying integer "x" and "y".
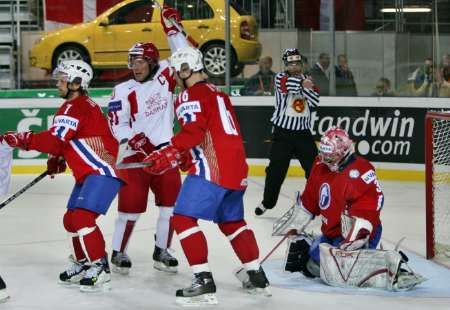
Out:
{"x": 166, "y": 158}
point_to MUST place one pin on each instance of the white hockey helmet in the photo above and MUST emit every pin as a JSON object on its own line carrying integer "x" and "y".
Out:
{"x": 187, "y": 55}
{"x": 72, "y": 69}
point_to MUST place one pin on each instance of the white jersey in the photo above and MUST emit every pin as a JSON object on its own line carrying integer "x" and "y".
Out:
{"x": 146, "y": 107}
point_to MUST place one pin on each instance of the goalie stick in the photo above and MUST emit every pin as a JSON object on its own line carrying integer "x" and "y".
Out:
{"x": 24, "y": 189}
{"x": 240, "y": 272}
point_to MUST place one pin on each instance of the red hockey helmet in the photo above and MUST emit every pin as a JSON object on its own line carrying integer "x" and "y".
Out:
{"x": 147, "y": 51}
{"x": 334, "y": 146}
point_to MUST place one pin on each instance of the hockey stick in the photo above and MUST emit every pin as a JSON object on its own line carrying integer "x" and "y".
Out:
{"x": 24, "y": 189}
{"x": 174, "y": 22}
{"x": 122, "y": 153}
{"x": 240, "y": 272}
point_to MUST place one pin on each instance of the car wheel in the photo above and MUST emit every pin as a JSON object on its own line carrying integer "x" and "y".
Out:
{"x": 214, "y": 61}
{"x": 69, "y": 52}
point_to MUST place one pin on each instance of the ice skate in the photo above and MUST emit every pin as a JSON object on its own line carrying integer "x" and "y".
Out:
{"x": 3, "y": 293}
{"x": 97, "y": 277}
{"x": 201, "y": 292}
{"x": 74, "y": 273}
{"x": 121, "y": 262}
{"x": 163, "y": 261}
{"x": 257, "y": 283}
{"x": 260, "y": 209}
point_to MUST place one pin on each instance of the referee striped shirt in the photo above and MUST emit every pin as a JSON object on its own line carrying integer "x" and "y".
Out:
{"x": 285, "y": 87}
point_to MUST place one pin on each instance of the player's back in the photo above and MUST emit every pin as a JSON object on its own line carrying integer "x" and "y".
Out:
{"x": 220, "y": 155}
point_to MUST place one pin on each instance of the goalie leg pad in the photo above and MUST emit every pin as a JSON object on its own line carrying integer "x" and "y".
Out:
{"x": 365, "y": 268}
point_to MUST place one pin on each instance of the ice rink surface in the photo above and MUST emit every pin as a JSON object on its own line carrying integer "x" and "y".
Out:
{"x": 34, "y": 248}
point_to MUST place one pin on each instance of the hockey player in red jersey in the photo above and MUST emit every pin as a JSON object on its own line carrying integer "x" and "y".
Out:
{"x": 141, "y": 111}
{"x": 209, "y": 146}
{"x": 343, "y": 189}
{"x": 80, "y": 134}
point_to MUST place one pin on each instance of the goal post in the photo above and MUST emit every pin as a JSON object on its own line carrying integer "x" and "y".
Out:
{"x": 437, "y": 184}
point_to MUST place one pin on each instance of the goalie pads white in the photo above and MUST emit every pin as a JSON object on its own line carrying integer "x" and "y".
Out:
{"x": 297, "y": 217}
{"x": 355, "y": 231}
{"x": 366, "y": 268}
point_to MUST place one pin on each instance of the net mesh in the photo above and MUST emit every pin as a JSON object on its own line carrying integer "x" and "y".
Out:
{"x": 441, "y": 186}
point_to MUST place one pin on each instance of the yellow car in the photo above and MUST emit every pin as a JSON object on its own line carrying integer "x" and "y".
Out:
{"x": 105, "y": 41}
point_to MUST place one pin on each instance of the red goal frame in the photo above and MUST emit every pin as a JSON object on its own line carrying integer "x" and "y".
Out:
{"x": 429, "y": 196}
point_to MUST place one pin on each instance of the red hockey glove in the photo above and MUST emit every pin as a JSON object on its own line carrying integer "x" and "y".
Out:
{"x": 169, "y": 16}
{"x": 140, "y": 143}
{"x": 55, "y": 165}
{"x": 20, "y": 140}
{"x": 162, "y": 160}
{"x": 186, "y": 161}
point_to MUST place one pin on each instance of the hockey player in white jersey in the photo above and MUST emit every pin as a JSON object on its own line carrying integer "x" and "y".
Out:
{"x": 141, "y": 112}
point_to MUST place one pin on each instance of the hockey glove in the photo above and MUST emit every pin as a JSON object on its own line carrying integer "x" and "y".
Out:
{"x": 55, "y": 165}
{"x": 170, "y": 16}
{"x": 19, "y": 140}
{"x": 186, "y": 161}
{"x": 162, "y": 160}
{"x": 140, "y": 143}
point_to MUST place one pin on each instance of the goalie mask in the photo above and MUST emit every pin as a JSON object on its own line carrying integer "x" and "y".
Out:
{"x": 335, "y": 146}
{"x": 76, "y": 71}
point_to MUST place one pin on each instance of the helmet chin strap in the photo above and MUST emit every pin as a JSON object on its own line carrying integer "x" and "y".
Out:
{"x": 153, "y": 69}
{"x": 185, "y": 79}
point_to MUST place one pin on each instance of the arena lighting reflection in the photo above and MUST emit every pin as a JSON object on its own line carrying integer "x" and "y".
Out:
{"x": 407, "y": 10}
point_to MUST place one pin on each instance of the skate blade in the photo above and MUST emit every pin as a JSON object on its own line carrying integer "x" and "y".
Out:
{"x": 104, "y": 287}
{"x": 259, "y": 291}
{"x": 201, "y": 300}
{"x": 69, "y": 284}
{"x": 121, "y": 270}
{"x": 161, "y": 267}
{"x": 3, "y": 296}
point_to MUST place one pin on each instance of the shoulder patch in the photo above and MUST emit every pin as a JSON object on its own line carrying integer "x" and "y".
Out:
{"x": 187, "y": 110}
{"x": 114, "y": 106}
{"x": 65, "y": 121}
{"x": 354, "y": 173}
{"x": 369, "y": 176}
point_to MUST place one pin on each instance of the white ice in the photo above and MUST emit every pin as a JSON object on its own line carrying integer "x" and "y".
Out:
{"x": 34, "y": 250}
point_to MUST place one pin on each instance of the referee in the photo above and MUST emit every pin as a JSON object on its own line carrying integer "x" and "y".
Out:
{"x": 292, "y": 138}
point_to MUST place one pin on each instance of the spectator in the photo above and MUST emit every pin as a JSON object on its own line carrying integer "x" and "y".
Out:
{"x": 305, "y": 66}
{"x": 383, "y": 88}
{"x": 423, "y": 81}
{"x": 260, "y": 84}
{"x": 345, "y": 84}
{"x": 444, "y": 90}
{"x": 319, "y": 74}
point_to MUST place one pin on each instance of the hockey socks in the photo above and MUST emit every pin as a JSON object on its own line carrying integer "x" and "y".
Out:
{"x": 192, "y": 241}
{"x": 164, "y": 231}
{"x": 243, "y": 242}
{"x": 123, "y": 230}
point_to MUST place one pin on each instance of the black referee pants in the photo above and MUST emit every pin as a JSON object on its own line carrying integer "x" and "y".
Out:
{"x": 286, "y": 144}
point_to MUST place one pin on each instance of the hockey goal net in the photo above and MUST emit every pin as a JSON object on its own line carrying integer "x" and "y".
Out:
{"x": 437, "y": 171}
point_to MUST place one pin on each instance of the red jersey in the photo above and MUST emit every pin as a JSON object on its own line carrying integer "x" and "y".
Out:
{"x": 210, "y": 130}
{"x": 354, "y": 190}
{"x": 81, "y": 134}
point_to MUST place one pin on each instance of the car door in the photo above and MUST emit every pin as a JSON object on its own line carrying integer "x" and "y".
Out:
{"x": 129, "y": 24}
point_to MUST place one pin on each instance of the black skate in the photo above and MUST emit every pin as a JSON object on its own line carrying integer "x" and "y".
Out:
{"x": 257, "y": 283}
{"x": 3, "y": 294}
{"x": 74, "y": 272}
{"x": 121, "y": 262}
{"x": 163, "y": 261}
{"x": 201, "y": 292}
{"x": 260, "y": 209}
{"x": 97, "y": 277}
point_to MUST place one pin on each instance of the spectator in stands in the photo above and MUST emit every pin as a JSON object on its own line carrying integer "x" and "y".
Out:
{"x": 305, "y": 66}
{"x": 345, "y": 83}
{"x": 319, "y": 74}
{"x": 423, "y": 82}
{"x": 260, "y": 84}
{"x": 383, "y": 88}
{"x": 444, "y": 90}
